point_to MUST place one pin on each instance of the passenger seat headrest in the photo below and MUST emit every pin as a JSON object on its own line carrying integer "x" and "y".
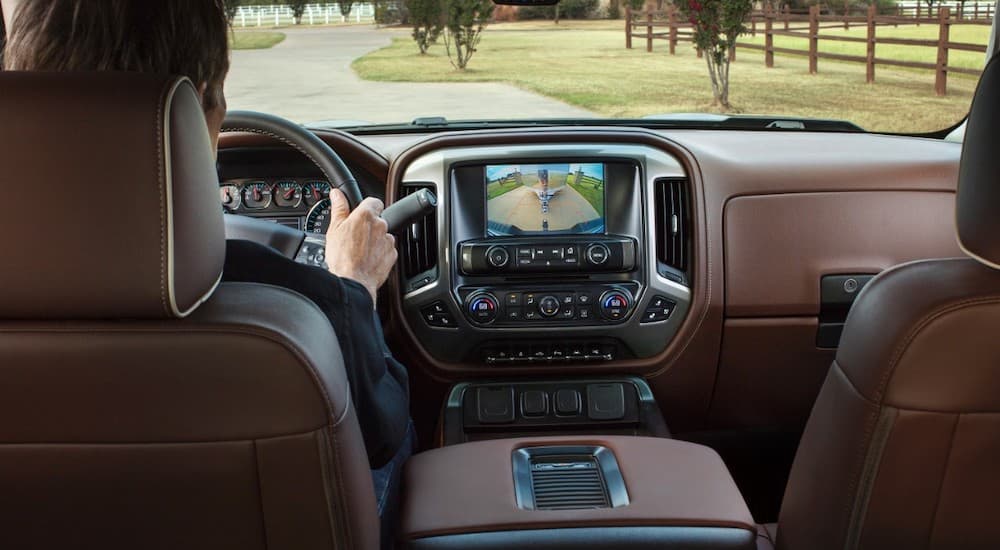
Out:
{"x": 978, "y": 201}
{"x": 110, "y": 205}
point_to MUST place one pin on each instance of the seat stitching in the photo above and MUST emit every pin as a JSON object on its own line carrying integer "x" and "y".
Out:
{"x": 158, "y": 129}
{"x": 944, "y": 475}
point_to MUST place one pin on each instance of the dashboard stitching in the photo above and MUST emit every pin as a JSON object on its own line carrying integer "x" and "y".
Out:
{"x": 163, "y": 214}
{"x": 290, "y": 144}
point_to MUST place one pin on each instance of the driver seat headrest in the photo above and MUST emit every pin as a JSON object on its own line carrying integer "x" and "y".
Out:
{"x": 978, "y": 200}
{"x": 110, "y": 207}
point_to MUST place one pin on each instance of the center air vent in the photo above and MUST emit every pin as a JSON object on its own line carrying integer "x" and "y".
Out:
{"x": 567, "y": 478}
{"x": 419, "y": 245}
{"x": 672, "y": 205}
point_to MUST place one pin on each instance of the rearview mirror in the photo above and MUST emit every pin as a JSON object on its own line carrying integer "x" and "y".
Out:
{"x": 525, "y": 2}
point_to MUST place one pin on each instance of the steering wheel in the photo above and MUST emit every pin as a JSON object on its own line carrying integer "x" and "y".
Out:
{"x": 298, "y": 245}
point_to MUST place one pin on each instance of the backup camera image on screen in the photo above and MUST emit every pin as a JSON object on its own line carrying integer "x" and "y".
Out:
{"x": 532, "y": 199}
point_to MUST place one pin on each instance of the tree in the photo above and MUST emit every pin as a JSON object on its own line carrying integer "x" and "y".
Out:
{"x": 232, "y": 6}
{"x": 716, "y": 25}
{"x": 345, "y": 8}
{"x": 465, "y": 22}
{"x": 426, "y": 16}
{"x": 298, "y": 9}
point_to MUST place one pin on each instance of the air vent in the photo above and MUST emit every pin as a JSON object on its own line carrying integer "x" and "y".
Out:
{"x": 419, "y": 246}
{"x": 570, "y": 485}
{"x": 673, "y": 227}
{"x": 567, "y": 478}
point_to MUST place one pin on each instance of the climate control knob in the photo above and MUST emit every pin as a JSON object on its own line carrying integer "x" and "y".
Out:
{"x": 483, "y": 308}
{"x": 548, "y": 306}
{"x": 497, "y": 256}
{"x": 615, "y": 304}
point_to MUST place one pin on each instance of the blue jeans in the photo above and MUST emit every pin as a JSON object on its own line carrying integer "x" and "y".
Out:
{"x": 387, "y": 480}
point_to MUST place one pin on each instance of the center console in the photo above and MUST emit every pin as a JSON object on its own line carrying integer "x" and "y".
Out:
{"x": 600, "y": 492}
{"x": 551, "y": 254}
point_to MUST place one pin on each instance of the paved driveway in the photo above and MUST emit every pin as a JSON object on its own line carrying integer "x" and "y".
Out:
{"x": 308, "y": 77}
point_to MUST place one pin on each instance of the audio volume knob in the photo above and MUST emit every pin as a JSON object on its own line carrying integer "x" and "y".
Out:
{"x": 548, "y": 306}
{"x": 598, "y": 254}
{"x": 615, "y": 304}
{"x": 497, "y": 256}
{"x": 483, "y": 308}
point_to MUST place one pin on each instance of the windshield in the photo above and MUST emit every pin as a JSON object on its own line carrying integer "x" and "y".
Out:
{"x": 908, "y": 67}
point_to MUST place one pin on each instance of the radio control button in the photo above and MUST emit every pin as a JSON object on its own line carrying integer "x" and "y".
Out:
{"x": 497, "y": 256}
{"x": 483, "y": 308}
{"x": 598, "y": 254}
{"x": 548, "y": 306}
{"x": 524, "y": 253}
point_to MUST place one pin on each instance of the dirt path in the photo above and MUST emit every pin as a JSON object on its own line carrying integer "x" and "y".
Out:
{"x": 308, "y": 78}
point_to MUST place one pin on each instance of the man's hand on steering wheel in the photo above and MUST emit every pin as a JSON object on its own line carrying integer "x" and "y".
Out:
{"x": 358, "y": 244}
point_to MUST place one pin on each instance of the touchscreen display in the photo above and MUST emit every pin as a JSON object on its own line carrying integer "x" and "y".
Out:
{"x": 535, "y": 199}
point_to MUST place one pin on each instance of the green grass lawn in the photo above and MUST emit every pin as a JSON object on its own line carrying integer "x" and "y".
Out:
{"x": 255, "y": 40}
{"x": 586, "y": 64}
{"x": 595, "y": 196}
{"x": 497, "y": 188}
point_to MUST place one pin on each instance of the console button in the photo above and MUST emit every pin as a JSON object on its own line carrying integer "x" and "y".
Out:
{"x": 531, "y": 315}
{"x": 557, "y": 352}
{"x": 659, "y": 309}
{"x": 514, "y": 314}
{"x": 548, "y": 306}
{"x": 495, "y": 405}
{"x": 585, "y": 313}
{"x": 513, "y": 299}
{"x": 437, "y": 315}
{"x": 605, "y": 401}
{"x": 567, "y": 299}
{"x": 534, "y": 403}
{"x": 497, "y": 256}
{"x": 567, "y": 402}
{"x": 530, "y": 299}
{"x": 615, "y": 304}
{"x": 483, "y": 307}
{"x": 520, "y": 353}
{"x": 576, "y": 351}
{"x": 567, "y": 312}
{"x": 584, "y": 299}
{"x": 524, "y": 253}
{"x": 539, "y": 352}
{"x": 598, "y": 254}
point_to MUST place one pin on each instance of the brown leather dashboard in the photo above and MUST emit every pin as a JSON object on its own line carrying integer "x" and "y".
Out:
{"x": 773, "y": 211}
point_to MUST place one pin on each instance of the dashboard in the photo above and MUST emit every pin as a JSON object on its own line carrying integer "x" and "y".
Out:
{"x": 693, "y": 258}
{"x": 294, "y": 202}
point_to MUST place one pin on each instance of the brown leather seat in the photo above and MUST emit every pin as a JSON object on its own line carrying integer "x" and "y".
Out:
{"x": 142, "y": 403}
{"x": 903, "y": 446}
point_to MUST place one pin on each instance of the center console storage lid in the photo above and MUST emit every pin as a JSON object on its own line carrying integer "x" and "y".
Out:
{"x": 469, "y": 488}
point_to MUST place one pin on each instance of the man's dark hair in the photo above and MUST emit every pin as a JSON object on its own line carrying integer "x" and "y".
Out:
{"x": 182, "y": 37}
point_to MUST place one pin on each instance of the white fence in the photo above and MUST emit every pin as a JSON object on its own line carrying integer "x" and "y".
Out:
{"x": 315, "y": 14}
{"x": 968, "y": 9}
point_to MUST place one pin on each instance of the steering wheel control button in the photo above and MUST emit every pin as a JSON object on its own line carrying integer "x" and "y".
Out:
{"x": 598, "y": 254}
{"x": 483, "y": 308}
{"x": 659, "y": 309}
{"x": 548, "y": 306}
{"x": 615, "y": 305}
{"x": 605, "y": 401}
{"x": 495, "y": 405}
{"x": 437, "y": 315}
{"x": 498, "y": 256}
{"x": 534, "y": 403}
{"x": 567, "y": 402}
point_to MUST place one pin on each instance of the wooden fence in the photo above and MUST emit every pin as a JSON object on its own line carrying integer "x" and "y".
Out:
{"x": 669, "y": 25}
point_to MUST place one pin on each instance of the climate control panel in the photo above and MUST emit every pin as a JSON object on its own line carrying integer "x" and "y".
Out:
{"x": 586, "y": 305}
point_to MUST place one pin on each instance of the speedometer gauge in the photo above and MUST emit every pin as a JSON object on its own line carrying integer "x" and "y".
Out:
{"x": 318, "y": 218}
{"x": 315, "y": 191}
{"x": 256, "y": 195}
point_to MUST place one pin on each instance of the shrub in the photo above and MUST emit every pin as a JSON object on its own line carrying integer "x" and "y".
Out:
{"x": 465, "y": 21}
{"x": 427, "y": 18}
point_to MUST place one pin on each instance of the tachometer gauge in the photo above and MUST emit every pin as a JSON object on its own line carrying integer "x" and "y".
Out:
{"x": 315, "y": 191}
{"x": 230, "y": 195}
{"x": 287, "y": 194}
{"x": 318, "y": 218}
{"x": 256, "y": 195}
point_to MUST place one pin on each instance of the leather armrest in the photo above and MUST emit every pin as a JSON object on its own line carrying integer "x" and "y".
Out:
{"x": 469, "y": 488}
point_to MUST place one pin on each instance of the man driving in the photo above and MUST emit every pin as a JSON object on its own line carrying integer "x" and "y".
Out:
{"x": 190, "y": 38}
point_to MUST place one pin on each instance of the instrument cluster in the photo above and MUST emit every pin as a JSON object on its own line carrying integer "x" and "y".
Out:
{"x": 284, "y": 196}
